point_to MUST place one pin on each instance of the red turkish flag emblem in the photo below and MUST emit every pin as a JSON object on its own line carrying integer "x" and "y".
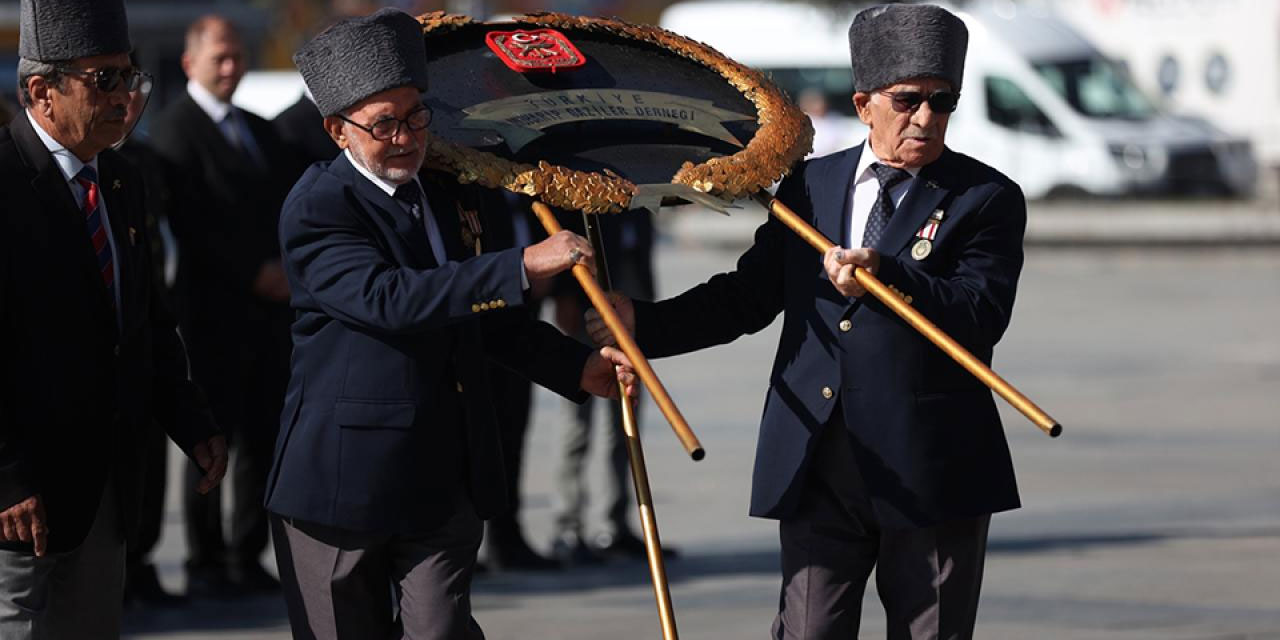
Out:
{"x": 537, "y": 50}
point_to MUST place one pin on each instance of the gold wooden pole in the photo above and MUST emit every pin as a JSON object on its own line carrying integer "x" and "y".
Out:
{"x": 931, "y": 331}
{"x": 627, "y": 344}
{"x": 639, "y": 472}
{"x": 648, "y": 520}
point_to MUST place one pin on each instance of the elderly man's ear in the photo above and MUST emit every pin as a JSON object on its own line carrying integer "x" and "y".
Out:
{"x": 333, "y": 127}
{"x": 862, "y": 102}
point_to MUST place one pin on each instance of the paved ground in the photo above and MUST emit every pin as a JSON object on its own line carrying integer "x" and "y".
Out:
{"x": 1156, "y": 516}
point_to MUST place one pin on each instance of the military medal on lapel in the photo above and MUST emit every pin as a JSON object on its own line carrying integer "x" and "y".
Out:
{"x": 471, "y": 229}
{"x": 924, "y": 238}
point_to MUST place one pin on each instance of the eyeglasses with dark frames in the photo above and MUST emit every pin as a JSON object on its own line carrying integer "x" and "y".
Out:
{"x": 388, "y": 128}
{"x": 108, "y": 79}
{"x": 910, "y": 101}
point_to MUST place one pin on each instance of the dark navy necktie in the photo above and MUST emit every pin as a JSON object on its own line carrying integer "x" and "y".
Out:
{"x": 411, "y": 196}
{"x": 882, "y": 210}
{"x": 236, "y": 131}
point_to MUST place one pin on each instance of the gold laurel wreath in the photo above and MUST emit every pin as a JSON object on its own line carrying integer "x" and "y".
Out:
{"x": 784, "y": 137}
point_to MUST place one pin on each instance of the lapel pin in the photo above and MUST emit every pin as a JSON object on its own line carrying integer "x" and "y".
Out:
{"x": 133, "y": 236}
{"x": 115, "y": 184}
{"x": 931, "y": 184}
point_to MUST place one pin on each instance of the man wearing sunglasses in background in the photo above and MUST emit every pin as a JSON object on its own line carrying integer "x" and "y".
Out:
{"x": 876, "y": 450}
{"x": 231, "y": 174}
{"x": 91, "y": 360}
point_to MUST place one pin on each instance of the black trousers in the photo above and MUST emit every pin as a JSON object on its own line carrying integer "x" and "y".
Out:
{"x": 155, "y": 445}
{"x": 513, "y": 397}
{"x": 245, "y": 383}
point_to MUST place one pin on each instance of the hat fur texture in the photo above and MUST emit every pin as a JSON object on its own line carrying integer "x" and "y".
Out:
{"x": 359, "y": 57}
{"x": 61, "y": 30}
{"x": 895, "y": 42}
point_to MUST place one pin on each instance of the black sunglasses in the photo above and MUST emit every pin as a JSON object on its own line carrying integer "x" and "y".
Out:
{"x": 109, "y": 79}
{"x": 910, "y": 101}
{"x": 388, "y": 128}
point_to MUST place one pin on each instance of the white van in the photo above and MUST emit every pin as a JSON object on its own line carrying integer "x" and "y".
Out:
{"x": 1219, "y": 59}
{"x": 1039, "y": 102}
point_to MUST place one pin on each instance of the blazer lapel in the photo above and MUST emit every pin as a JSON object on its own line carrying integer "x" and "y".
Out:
{"x": 926, "y": 193}
{"x": 393, "y": 215}
{"x": 444, "y": 206}
{"x": 115, "y": 193}
{"x": 831, "y": 201}
{"x": 60, "y": 207}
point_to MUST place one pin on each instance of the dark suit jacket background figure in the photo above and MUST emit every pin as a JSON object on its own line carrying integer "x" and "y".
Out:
{"x": 141, "y": 582}
{"x": 80, "y": 391}
{"x": 926, "y": 435}
{"x": 506, "y": 546}
{"x": 301, "y": 128}
{"x": 229, "y": 202}
{"x": 628, "y": 241}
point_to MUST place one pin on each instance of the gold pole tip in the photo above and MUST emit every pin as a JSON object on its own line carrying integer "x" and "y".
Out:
{"x": 1055, "y": 430}
{"x": 698, "y": 454}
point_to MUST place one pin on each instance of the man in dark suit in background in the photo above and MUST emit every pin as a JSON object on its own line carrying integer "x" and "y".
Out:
{"x": 6, "y": 111}
{"x": 142, "y": 584}
{"x": 389, "y": 454}
{"x": 876, "y": 450}
{"x": 628, "y": 242}
{"x": 92, "y": 361}
{"x": 232, "y": 175}
{"x": 301, "y": 127}
{"x": 506, "y": 547}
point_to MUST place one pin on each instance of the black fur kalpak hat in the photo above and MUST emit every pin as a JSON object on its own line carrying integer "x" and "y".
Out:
{"x": 895, "y": 42}
{"x": 359, "y": 57}
{"x": 59, "y": 30}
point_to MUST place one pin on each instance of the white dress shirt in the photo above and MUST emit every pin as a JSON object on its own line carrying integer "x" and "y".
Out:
{"x": 866, "y": 189}
{"x": 70, "y": 166}
{"x": 428, "y": 218}
{"x": 208, "y": 103}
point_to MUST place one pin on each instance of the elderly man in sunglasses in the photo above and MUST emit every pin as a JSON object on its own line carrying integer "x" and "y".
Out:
{"x": 91, "y": 360}
{"x": 876, "y": 450}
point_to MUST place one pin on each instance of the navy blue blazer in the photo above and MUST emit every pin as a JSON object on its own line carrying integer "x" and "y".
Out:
{"x": 388, "y": 425}
{"x": 79, "y": 392}
{"x": 926, "y": 434}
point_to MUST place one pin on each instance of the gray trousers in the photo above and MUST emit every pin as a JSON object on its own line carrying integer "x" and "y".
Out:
{"x": 928, "y": 579}
{"x": 73, "y": 594}
{"x": 571, "y": 478}
{"x": 348, "y": 585}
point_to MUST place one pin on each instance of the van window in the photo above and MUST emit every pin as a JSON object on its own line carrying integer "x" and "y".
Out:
{"x": 1096, "y": 87}
{"x": 1011, "y": 108}
{"x": 834, "y": 83}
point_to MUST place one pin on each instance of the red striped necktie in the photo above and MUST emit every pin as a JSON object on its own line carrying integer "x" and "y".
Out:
{"x": 88, "y": 178}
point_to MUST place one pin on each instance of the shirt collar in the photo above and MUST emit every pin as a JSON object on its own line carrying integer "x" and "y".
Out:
{"x": 67, "y": 162}
{"x": 209, "y": 103}
{"x": 863, "y": 171}
{"x": 387, "y": 187}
